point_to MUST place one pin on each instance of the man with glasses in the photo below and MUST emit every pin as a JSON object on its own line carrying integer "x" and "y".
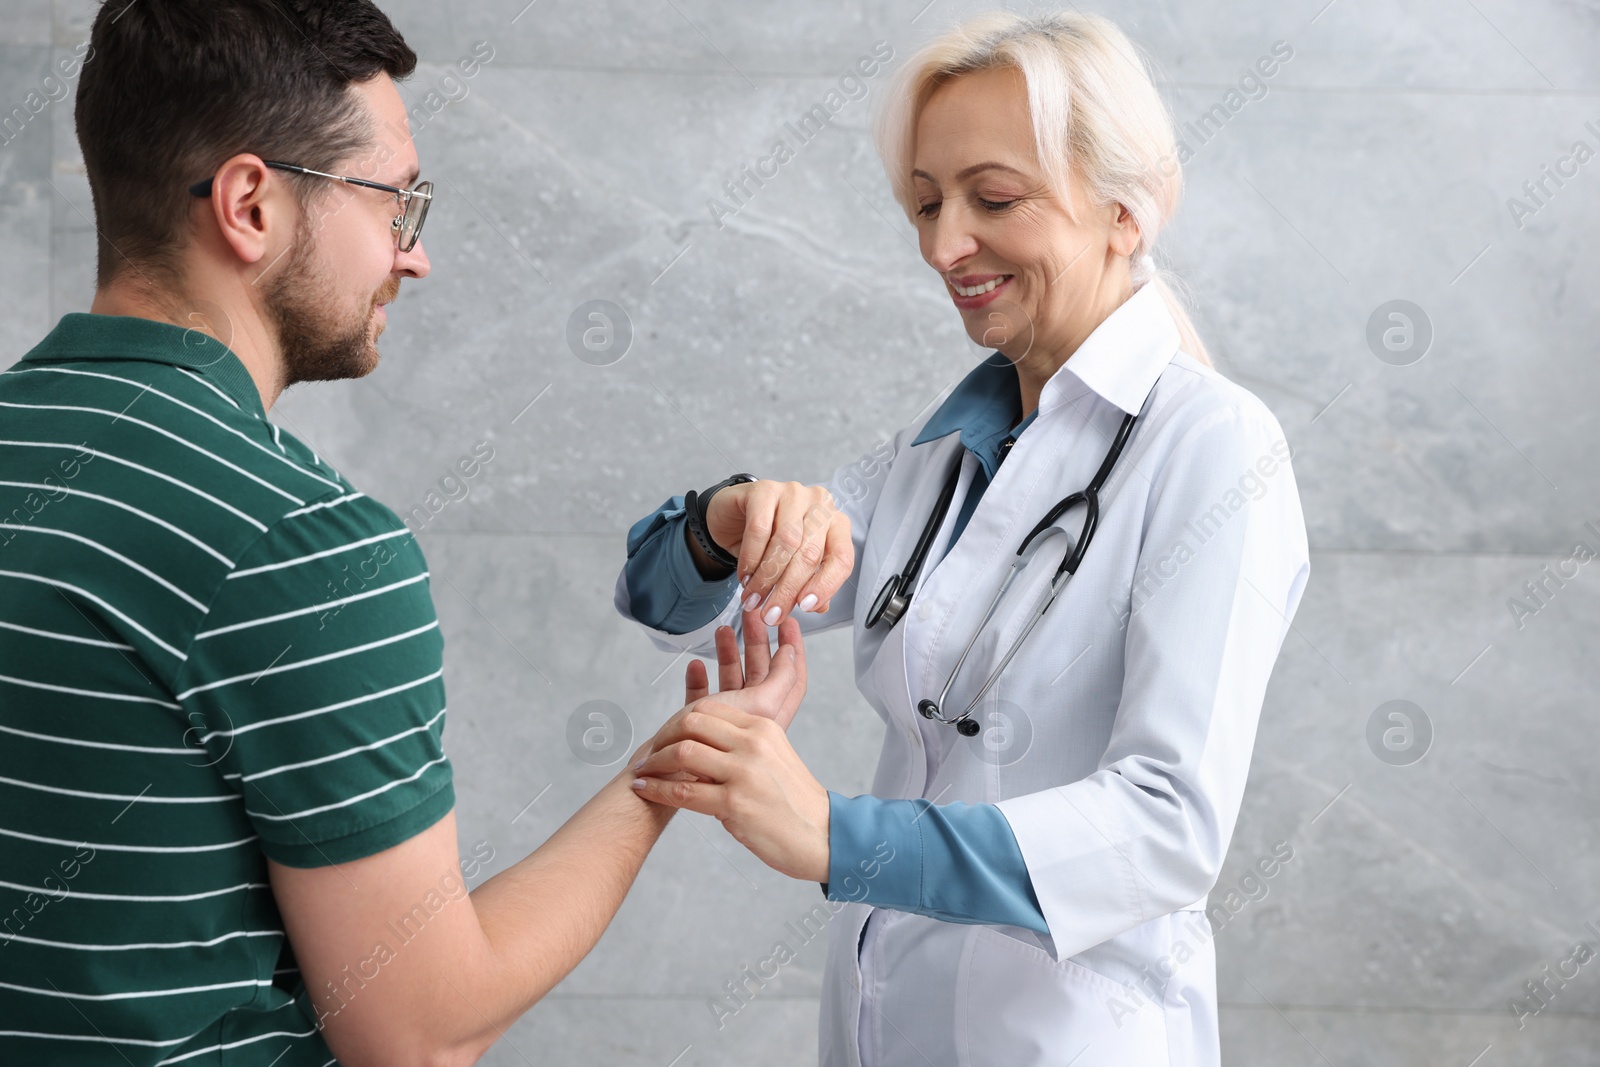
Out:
{"x": 227, "y": 828}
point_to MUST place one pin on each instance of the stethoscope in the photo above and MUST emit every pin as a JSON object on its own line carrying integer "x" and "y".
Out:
{"x": 895, "y": 596}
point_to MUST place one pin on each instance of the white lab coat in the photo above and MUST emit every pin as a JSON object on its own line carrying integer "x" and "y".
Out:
{"x": 1116, "y": 743}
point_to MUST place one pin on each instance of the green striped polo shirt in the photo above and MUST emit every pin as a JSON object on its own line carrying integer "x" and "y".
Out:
{"x": 213, "y": 650}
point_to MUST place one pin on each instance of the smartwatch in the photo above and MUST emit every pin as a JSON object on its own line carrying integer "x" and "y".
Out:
{"x": 694, "y": 507}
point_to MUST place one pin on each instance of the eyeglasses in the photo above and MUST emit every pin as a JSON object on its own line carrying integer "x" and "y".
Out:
{"x": 407, "y": 225}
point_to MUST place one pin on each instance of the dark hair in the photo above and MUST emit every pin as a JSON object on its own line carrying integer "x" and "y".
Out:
{"x": 172, "y": 88}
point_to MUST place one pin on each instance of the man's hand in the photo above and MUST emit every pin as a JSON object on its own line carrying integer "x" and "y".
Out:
{"x": 749, "y": 778}
{"x": 740, "y": 685}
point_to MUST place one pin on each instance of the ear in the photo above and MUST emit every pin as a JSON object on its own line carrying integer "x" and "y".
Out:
{"x": 1124, "y": 235}
{"x": 252, "y": 212}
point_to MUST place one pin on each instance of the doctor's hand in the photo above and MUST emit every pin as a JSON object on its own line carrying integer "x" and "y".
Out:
{"x": 792, "y": 541}
{"x": 749, "y": 777}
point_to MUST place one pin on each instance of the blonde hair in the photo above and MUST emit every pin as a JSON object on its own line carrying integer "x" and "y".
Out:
{"x": 1095, "y": 109}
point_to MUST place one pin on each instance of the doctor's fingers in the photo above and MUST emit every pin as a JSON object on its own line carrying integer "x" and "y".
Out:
{"x": 838, "y": 561}
{"x": 788, "y": 539}
{"x": 793, "y": 560}
{"x": 689, "y": 759}
{"x": 706, "y": 798}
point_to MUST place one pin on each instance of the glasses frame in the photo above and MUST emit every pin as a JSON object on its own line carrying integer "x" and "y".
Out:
{"x": 422, "y": 192}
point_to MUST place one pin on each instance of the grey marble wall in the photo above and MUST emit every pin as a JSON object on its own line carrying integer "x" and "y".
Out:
{"x": 789, "y": 336}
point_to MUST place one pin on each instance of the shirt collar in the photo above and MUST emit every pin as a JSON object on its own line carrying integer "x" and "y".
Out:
{"x": 985, "y": 400}
{"x": 82, "y": 336}
{"x": 1122, "y": 359}
{"x": 1119, "y": 361}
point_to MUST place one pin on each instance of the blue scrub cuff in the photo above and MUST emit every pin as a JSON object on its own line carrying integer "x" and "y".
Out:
{"x": 665, "y": 589}
{"x": 956, "y": 862}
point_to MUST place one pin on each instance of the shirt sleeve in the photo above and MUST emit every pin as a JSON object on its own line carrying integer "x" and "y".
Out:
{"x": 665, "y": 588}
{"x": 315, "y": 685}
{"x": 957, "y": 862}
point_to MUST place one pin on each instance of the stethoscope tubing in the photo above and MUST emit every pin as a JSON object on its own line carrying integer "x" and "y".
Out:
{"x": 1089, "y": 497}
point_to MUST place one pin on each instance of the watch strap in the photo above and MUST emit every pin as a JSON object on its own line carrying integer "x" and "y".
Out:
{"x": 695, "y": 505}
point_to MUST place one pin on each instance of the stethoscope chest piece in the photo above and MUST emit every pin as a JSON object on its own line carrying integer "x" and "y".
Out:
{"x": 891, "y": 603}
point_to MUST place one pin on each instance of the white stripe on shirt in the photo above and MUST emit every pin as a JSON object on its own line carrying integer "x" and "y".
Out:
{"x": 164, "y": 432}
{"x": 323, "y": 504}
{"x": 142, "y": 798}
{"x": 90, "y": 596}
{"x": 325, "y": 709}
{"x": 66, "y": 637}
{"x": 236, "y": 1044}
{"x": 249, "y": 983}
{"x": 56, "y": 738}
{"x": 319, "y": 555}
{"x": 186, "y": 535}
{"x": 101, "y": 1039}
{"x": 142, "y": 944}
{"x": 198, "y": 377}
{"x": 315, "y": 607}
{"x": 313, "y": 661}
{"x": 159, "y": 849}
{"x": 368, "y": 795}
{"x": 178, "y": 898}
{"x": 114, "y": 554}
{"x": 143, "y": 470}
{"x": 269, "y": 772}
{"x": 129, "y": 697}
{"x": 147, "y": 388}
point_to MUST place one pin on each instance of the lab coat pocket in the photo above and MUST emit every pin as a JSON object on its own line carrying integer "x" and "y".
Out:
{"x": 1015, "y": 1006}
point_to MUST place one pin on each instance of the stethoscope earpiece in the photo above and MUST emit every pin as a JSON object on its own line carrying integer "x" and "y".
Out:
{"x": 966, "y": 726}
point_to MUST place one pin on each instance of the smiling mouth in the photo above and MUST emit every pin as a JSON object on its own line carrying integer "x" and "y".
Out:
{"x": 979, "y": 290}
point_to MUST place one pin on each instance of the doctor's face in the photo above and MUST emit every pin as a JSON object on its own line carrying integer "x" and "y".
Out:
{"x": 1027, "y": 279}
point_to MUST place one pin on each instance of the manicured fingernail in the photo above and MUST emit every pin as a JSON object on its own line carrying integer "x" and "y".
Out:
{"x": 638, "y": 783}
{"x": 636, "y": 766}
{"x": 751, "y": 601}
{"x": 809, "y": 602}
{"x": 771, "y": 617}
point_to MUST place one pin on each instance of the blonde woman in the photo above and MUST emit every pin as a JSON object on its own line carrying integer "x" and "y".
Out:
{"x": 1067, "y": 587}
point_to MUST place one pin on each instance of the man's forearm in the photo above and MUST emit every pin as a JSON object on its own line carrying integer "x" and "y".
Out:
{"x": 543, "y": 915}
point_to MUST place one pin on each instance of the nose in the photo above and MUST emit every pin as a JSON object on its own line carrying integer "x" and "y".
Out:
{"x": 412, "y": 264}
{"x": 947, "y": 240}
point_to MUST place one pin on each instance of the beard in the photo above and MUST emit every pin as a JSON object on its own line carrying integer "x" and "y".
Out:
{"x": 319, "y": 340}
